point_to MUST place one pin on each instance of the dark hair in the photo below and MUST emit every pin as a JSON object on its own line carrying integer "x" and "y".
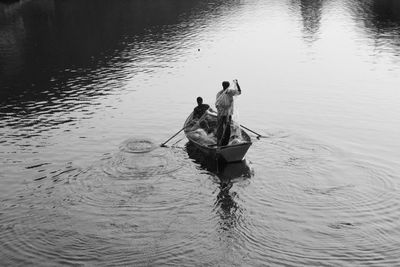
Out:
{"x": 199, "y": 100}
{"x": 225, "y": 84}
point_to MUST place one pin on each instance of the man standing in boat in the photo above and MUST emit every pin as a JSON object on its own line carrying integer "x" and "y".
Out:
{"x": 224, "y": 104}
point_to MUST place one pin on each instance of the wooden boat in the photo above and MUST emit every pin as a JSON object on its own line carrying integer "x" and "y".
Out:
{"x": 228, "y": 153}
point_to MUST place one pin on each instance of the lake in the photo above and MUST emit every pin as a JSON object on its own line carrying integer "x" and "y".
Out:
{"x": 89, "y": 89}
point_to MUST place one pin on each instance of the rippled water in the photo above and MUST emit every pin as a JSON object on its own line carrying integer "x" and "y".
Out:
{"x": 89, "y": 89}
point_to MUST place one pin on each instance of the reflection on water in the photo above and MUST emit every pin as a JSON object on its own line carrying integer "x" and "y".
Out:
{"x": 61, "y": 56}
{"x": 90, "y": 88}
{"x": 227, "y": 174}
{"x": 310, "y": 12}
{"x": 226, "y": 204}
{"x": 381, "y": 20}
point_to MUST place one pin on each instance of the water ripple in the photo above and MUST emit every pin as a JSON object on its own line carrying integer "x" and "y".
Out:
{"x": 135, "y": 145}
{"x": 30, "y": 234}
{"x": 128, "y": 164}
{"x": 312, "y": 192}
{"x": 112, "y": 203}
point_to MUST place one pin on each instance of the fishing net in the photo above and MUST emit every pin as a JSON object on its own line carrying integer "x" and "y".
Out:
{"x": 202, "y": 130}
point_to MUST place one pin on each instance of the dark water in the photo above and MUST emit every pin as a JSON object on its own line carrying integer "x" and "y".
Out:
{"x": 88, "y": 89}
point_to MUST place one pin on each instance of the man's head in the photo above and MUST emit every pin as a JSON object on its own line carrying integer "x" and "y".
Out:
{"x": 199, "y": 100}
{"x": 225, "y": 84}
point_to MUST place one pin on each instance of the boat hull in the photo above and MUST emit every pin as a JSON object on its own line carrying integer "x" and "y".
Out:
{"x": 229, "y": 153}
{"x": 233, "y": 153}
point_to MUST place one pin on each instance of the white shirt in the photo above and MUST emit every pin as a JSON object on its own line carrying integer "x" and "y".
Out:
{"x": 224, "y": 101}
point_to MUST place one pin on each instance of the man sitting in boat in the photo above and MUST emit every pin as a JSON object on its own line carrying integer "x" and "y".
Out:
{"x": 203, "y": 124}
{"x": 201, "y": 108}
{"x": 224, "y": 103}
{"x": 200, "y": 116}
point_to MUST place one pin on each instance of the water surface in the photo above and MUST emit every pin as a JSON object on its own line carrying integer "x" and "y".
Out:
{"x": 89, "y": 89}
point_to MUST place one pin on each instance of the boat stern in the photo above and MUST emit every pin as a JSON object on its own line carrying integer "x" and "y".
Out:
{"x": 233, "y": 153}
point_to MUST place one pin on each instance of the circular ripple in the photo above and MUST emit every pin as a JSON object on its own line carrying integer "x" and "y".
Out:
{"x": 121, "y": 184}
{"x": 96, "y": 193}
{"x": 134, "y": 145}
{"x": 36, "y": 236}
{"x": 45, "y": 238}
{"x": 138, "y": 167}
{"x": 349, "y": 188}
{"x": 342, "y": 208}
{"x": 54, "y": 219}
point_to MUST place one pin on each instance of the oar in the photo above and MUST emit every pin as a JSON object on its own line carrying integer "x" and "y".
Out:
{"x": 258, "y": 135}
{"x": 163, "y": 144}
{"x": 198, "y": 122}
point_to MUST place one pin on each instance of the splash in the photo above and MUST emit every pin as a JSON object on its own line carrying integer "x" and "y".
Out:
{"x": 134, "y": 145}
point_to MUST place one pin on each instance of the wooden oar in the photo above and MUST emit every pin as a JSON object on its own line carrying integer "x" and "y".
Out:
{"x": 163, "y": 144}
{"x": 258, "y": 135}
{"x": 197, "y": 122}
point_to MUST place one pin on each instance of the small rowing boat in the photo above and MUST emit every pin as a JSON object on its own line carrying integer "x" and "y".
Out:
{"x": 229, "y": 153}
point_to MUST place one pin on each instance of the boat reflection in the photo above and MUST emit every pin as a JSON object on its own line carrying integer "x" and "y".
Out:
{"x": 227, "y": 174}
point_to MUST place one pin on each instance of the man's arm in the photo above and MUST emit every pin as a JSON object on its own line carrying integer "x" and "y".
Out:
{"x": 236, "y": 91}
{"x": 238, "y": 86}
{"x": 211, "y": 111}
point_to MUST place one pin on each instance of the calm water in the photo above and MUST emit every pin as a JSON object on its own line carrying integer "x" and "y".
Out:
{"x": 88, "y": 89}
